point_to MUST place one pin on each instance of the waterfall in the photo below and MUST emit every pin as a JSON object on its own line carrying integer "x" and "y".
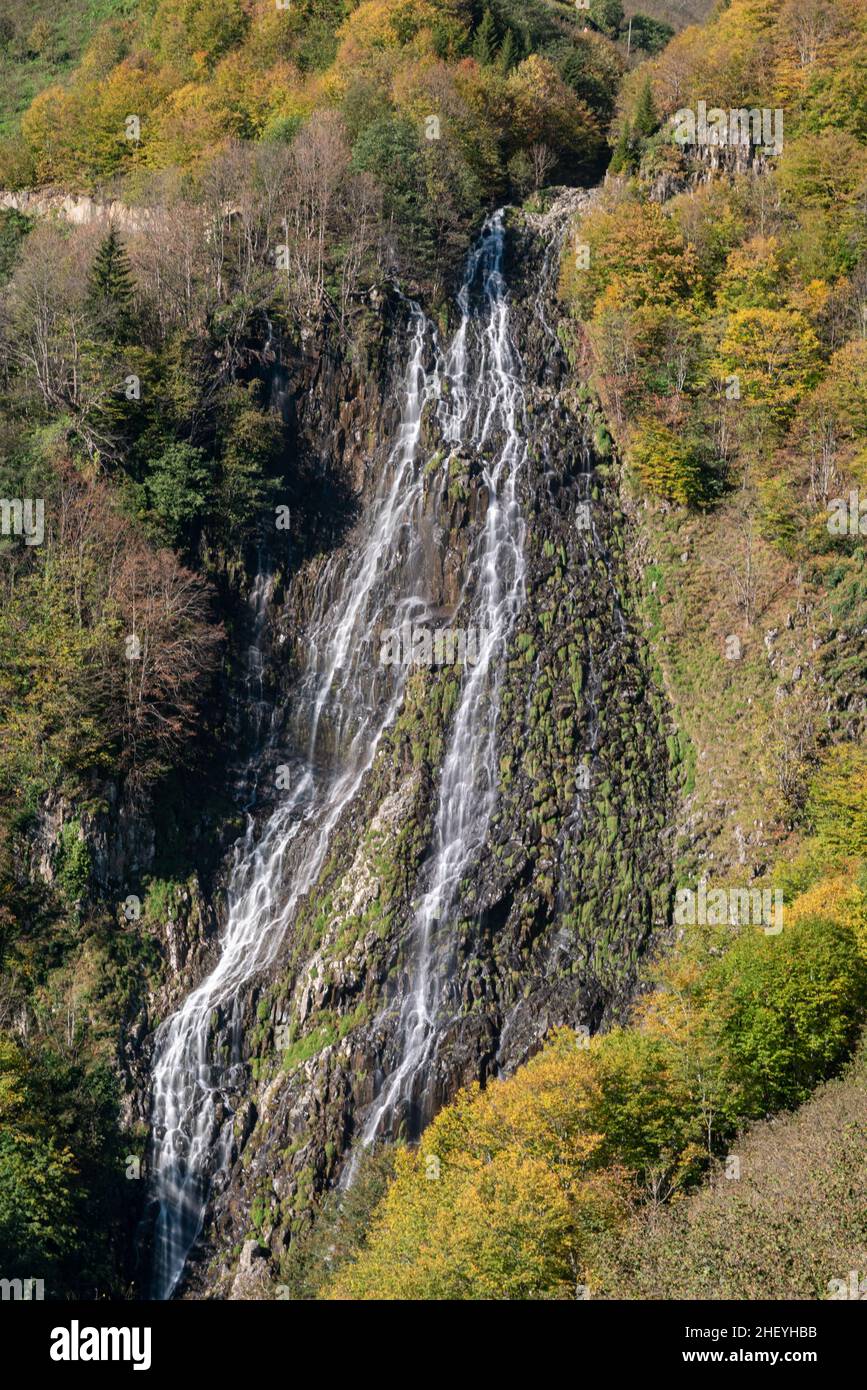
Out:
{"x": 484, "y": 411}
{"x": 344, "y": 704}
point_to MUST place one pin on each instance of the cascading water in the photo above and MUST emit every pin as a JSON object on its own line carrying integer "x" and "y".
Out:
{"x": 343, "y": 706}
{"x": 484, "y": 411}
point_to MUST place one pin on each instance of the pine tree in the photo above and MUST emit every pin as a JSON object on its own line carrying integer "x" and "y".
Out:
{"x": 111, "y": 289}
{"x": 623, "y": 158}
{"x": 485, "y": 41}
{"x": 507, "y": 55}
{"x": 646, "y": 119}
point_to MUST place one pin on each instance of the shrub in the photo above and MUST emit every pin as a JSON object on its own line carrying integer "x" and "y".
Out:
{"x": 667, "y": 464}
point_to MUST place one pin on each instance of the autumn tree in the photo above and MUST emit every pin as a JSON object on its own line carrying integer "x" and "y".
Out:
{"x": 504, "y": 1197}
{"x": 637, "y": 255}
{"x": 166, "y": 648}
{"x": 774, "y": 353}
{"x": 667, "y": 464}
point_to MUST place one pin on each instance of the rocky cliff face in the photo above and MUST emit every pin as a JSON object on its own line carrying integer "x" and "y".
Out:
{"x": 561, "y": 897}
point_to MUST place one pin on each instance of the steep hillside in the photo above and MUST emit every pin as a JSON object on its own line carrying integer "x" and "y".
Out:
{"x": 40, "y": 42}
{"x": 715, "y": 288}
{"x": 433, "y": 821}
{"x": 786, "y": 1222}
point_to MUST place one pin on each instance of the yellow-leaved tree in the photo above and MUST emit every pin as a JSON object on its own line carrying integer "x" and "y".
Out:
{"x": 504, "y": 1196}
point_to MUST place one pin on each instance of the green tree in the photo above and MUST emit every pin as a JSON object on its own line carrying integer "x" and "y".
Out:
{"x": 783, "y": 1011}
{"x": 623, "y": 160}
{"x": 61, "y": 1179}
{"x": 37, "y": 1205}
{"x": 14, "y": 227}
{"x": 244, "y": 490}
{"x": 389, "y": 148}
{"x": 485, "y": 40}
{"x": 593, "y": 68}
{"x": 508, "y": 54}
{"x": 178, "y": 487}
{"x": 111, "y": 289}
{"x": 607, "y": 15}
{"x": 651, "y": 35}
{"x": 648, "y": 1110}
{"x": 645, "y": 119}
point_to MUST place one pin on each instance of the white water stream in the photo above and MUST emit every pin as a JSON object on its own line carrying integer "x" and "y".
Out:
{"x": 344, "y": 704}
{"x": 485, "y": 411}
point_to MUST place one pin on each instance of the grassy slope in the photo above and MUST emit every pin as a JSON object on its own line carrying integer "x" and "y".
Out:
{"x": 41, "y": 41}
{"x": 727, "y": 710}
{"x": 741, "y": 719}
{"x": 795, "y": 1219}
{"x": 677, "y": 13}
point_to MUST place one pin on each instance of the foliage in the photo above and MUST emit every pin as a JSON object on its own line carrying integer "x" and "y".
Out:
{"x": 500, "y": 1200}
{"x": 517, "y": 1190}
{"x": 787, "y": 1221}
{"x": 667, "y": 464}
{"x": 61, "y": 1174}
{"x": 196, "y": 78}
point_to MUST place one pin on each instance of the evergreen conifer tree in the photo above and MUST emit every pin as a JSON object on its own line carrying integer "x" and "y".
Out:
{"x": 111, "y": 289}
{"x": 623, "y": 158}
{"x": 507, "y": 55}
{"x": 485, "y": 41}
{"x": 646, "y": 119}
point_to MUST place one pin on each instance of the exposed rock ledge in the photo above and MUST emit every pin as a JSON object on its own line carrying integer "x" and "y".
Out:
{"x": 78, "y": 208}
